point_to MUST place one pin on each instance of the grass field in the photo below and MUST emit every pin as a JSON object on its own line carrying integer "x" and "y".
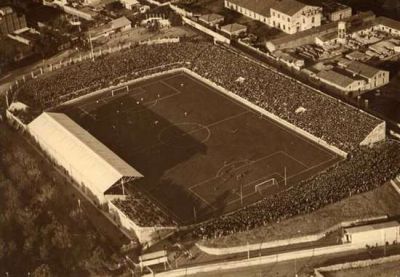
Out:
{"x": 201, "y": 152}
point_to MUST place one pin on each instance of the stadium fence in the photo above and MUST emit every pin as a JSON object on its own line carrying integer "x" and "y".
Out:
{"x": 279, "y": 243}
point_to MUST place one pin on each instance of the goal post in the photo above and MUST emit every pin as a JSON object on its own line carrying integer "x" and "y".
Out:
{"x": 120, "y": 90}
{"x": 260, "y": 187}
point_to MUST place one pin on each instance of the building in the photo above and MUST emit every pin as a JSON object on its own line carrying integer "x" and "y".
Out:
{"x": 211, "y": 19}
{"x": 290, "y": 16}
{"x": 335, "y": 11}
{"x": 387, "y": 25}
{"x": 373, "y": 235}
{"x": 255, "y": 9}
{"x": 83, "y": 12}
{"x": 354, "y": 77}
{"x": 121, "y": 24}
{"x": 10, "y": 21}
{"x": 374, "y": 77}
{"x": 86, "y": 160}
{"x": 234, "y": 29}
{"x": 324, "y": 32}
{"x": 290, "y": 59}
{"x": 130, "y": 4}
{"x": 341, "y": 82}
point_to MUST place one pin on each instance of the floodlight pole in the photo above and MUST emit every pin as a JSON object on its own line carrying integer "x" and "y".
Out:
{"x": 241, "y": 194}
{"x": 194, "y": 214}
{"x": 91, "y": 46}
{"x": 122, "y": 185}
{"x": 285, "y": 176}
{"x": 384, "y": 245}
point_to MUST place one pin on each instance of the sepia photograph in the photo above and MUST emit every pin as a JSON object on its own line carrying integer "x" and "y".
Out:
{"x": 204, "y": 138}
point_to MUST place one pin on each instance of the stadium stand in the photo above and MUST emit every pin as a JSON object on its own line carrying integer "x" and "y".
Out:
{"x": 85, "y": 159}
{"x": 324, "y": 117}
{"x": 142, "y": 211}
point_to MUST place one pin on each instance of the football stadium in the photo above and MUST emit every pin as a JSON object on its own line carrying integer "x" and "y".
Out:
{"x": 195, "y": 135}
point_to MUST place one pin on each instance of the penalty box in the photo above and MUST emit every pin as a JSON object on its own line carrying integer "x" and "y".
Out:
{"x": 235, "y": 182}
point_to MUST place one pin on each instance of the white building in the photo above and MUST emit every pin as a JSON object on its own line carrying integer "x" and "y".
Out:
{"x": 290, "y": 16}
{"x": 373, "y": 235}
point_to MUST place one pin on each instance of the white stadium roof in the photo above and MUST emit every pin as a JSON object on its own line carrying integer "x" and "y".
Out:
{"x": 87, "y": 159}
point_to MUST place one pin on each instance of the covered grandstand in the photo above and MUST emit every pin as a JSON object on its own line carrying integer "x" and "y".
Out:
{"x": 91, "y": 164}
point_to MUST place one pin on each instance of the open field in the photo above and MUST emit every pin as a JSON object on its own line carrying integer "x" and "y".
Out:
{"x": 201, "y": 152}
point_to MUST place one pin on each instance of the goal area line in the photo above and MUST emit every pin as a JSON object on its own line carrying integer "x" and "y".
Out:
{"x": 265, "y": 185}
{"x": 120, "y": 90}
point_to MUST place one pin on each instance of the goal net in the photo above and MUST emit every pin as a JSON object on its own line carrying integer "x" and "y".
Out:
{"x": 120, "y": 90}
{"x": 264, "y": 185}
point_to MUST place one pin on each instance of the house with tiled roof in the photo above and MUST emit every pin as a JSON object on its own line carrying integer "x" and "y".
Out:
{"x": 374, "y": 77}
{"x": 290, "y": 16}
{"x": 355, "y": 77}
{"x": 234, "y": 29}
{"x": 341, "y": 81}
{"x": 211, "y": 19}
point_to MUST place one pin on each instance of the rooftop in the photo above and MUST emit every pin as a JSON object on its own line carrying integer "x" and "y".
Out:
{"x": 120, "y": 22}
{"x": 211, "y": 17}
{"x": 336, "y": 78}
{"x": 362, "y": 69}
{"x": 332, "y": 6}
{"x": 356, "y": 55}
{"x": 262, "y": 7}
{"x": 388, "y": 22}
{"x": 289, "y": 7}
{"x": 328, "y": 36}
{"x": 6, "y": 10}
{"x": 80, "y": 151}
{"x": 232, "y": 28}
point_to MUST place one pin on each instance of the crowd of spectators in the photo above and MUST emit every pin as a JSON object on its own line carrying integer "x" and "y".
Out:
{"x": 142, "y": 211}
{"x": 318, "y": 114}
{"x": 324, "y": 117}
{"x": 102, "y": 72}
{"x": 366, "y": 170}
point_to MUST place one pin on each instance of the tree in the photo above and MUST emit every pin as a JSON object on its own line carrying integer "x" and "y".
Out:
{"x": 7, "y": 51}
{"x": 96, "y": 260}
{"x": 61, "y": 238}
{"x": 3, "y": 249}
{"x": 43, "y": 270}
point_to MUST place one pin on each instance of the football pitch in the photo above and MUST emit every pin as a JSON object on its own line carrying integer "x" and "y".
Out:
{"x": 201, "y": 152}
